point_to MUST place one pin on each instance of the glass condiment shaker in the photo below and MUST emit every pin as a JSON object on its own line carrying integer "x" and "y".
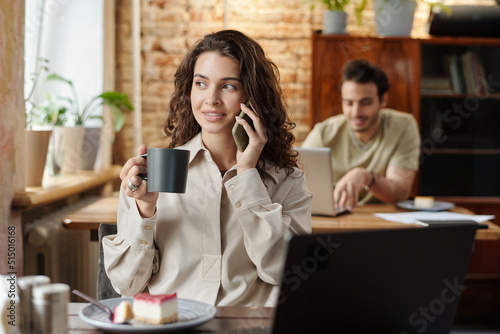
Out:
{"x": 50, "y": 306}
{"x": 25, "y": 285}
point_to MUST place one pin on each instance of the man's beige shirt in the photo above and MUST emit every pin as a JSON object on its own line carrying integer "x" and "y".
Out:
{"x": 223, "y": 242}
{"x": 396, "y": 143}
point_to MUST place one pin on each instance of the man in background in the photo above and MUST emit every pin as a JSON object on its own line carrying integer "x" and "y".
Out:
{"x": 375, "y": 150}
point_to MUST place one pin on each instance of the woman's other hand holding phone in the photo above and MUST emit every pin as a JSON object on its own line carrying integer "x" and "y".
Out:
{"x": 257, "y": 140}
{"x": 135, "y": 187}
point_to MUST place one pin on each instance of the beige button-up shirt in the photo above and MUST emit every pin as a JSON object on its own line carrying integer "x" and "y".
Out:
{"x": 223, "y": 242}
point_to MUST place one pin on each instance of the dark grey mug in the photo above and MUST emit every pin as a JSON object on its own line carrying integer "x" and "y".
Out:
{"x": 167, "y": 170}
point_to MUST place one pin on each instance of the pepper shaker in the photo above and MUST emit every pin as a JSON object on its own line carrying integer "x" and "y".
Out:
{"x": 50, "y": 305}
{"x": 25, "y": 285}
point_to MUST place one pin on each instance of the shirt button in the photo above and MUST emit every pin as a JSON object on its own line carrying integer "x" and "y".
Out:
{"x": 144, "y": 242}
{"x": 231, "y": 187}
{"x": 147, "y": 227}
{"x": 238, "y": 204}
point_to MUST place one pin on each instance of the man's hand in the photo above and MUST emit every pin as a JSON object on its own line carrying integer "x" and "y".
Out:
{"x": 395, "y": 186}
{"x": 346, "y": 192}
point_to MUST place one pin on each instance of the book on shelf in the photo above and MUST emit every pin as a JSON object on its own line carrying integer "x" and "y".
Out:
{"x": 466, "y": 73}
{"x": 455, "y": 71}
{"x": 482, "y": 87}
{"x": 437, "y": 84}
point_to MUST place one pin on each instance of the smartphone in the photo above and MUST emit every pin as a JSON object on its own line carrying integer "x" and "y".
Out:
{"x": 239, "y": 134}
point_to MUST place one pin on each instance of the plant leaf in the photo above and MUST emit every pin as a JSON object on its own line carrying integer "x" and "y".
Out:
{"x": 120, "y": 100}
{"x": 57, "y": 77}
{"x": 117, "y": 102}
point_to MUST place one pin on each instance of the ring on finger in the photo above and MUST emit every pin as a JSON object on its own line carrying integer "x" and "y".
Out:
{"x": 132, "y": 186}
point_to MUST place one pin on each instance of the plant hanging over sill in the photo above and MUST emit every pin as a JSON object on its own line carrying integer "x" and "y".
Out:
{"x": 43, "y": 114}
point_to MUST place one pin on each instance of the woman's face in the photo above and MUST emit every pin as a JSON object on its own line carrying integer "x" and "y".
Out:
{"x": 216, "y": 93}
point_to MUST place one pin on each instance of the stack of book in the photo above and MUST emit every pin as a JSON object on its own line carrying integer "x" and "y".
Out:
{"x": 440, "y": 84}
{"x": 467, "y": 73}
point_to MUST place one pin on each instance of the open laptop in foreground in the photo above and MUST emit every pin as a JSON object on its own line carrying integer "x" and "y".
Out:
{"x": 406, "y": 280}
{"x": 317, "y": 164}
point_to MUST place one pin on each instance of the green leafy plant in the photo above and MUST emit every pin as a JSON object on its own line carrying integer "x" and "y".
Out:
{"x": 360, "y": 6}
{"x": 118, "y": 103}
{"x": 50, "y": 112}
{"x": 332, "y": 4}
{"x": 46, "y": 113}
{"x": 29, "y": 104}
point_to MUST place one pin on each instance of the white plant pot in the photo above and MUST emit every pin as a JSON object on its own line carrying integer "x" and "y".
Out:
{"x": 66, "y": 148}
{"x": 394, "y": 17}
{"x": 36, "y": 146}
{"x": 90, "y": 147}
{"x": 334, "y": 22}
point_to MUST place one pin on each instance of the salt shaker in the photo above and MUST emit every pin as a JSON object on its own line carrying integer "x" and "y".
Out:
{"x": 25, "y": 286}
{"x": 50, "y": 305}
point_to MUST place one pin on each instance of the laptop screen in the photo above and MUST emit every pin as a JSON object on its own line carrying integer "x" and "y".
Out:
{"x": 317, "y": 165}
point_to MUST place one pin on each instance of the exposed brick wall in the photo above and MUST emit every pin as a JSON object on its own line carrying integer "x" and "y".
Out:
{"x": 169, "y": 27}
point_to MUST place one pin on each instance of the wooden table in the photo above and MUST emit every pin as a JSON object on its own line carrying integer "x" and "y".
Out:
{"x": 363, "y": 217}
{"x": 227, "y": 318}
{"x": 104, "y": 211}
{"x": 239, "y": 319}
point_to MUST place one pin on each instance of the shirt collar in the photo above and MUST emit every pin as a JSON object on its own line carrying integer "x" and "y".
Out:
{"x": 195, "y": 145}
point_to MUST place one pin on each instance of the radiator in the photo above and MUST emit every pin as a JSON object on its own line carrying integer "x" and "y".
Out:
{"x": 65, "y": 255}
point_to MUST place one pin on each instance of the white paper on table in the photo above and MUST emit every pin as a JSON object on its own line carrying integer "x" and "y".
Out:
{"x": 411, "y": 217}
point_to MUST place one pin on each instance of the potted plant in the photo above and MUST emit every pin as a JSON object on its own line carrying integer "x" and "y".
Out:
{"x": 334, "y": 17}
{"x": 395, "y": 17}
{"x": 118, "y": 102}
{"x": 76, "y": 148}
{"x": 37, "y": 131}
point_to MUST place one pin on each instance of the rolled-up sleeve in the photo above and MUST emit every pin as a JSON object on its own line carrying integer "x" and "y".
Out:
{"x": 130, "y": 256}
{"x": 266, "y": 224}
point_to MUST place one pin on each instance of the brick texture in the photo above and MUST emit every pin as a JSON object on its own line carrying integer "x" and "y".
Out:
{"x": 169, "y": 27}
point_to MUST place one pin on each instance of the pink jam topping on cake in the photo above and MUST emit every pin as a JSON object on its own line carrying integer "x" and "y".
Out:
{"x": 157, "y": 299}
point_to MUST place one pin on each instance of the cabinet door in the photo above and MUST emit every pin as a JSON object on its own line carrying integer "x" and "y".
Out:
{"x": 398, "y": 57}
{"x": 460, "y": 159}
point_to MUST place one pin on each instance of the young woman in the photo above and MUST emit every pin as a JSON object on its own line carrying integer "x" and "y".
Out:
{"x": 224, "y": 240}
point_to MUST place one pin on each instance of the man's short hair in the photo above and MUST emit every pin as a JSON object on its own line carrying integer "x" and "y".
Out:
{"x": 361, "y": 71}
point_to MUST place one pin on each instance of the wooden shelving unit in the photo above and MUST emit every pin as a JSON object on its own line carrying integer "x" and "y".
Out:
{"x": 61, "y": 187}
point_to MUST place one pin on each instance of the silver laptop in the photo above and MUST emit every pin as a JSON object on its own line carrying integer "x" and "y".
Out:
{"x": 317, "y": 164}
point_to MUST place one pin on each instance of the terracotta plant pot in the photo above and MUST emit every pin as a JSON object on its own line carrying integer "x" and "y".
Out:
{"x": 36, "y": 146}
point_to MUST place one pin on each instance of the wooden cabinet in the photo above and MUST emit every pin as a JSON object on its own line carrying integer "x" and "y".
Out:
{"x": 460, "y": 128}
{"x": 460, "y": 124}
{"x": 398, "y": 57}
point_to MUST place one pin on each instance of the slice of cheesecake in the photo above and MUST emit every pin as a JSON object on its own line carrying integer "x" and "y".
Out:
{"x": 155, "y": 309}
{"x": 424, "y": 202}
{"x": 122, "y": 313}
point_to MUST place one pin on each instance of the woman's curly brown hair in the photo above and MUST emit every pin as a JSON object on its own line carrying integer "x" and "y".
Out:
{"x": 260, "y": 78}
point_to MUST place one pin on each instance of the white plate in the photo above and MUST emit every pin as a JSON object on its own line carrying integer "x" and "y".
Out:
{"x": 191, "y": 314}
{"x": 438, "y": 206}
